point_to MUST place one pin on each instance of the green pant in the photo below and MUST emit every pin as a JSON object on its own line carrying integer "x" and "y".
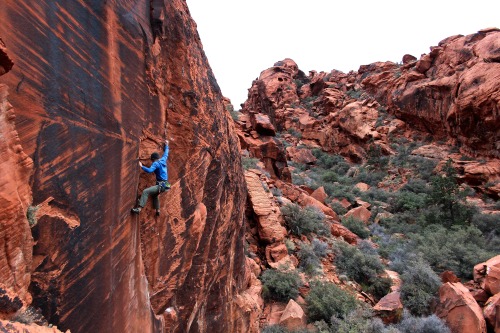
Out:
{"x": 154, "y": 191}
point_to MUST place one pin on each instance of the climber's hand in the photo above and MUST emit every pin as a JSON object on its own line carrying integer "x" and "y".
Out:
{"x": 140, "y": 164}
{"x": 166, "y": 142}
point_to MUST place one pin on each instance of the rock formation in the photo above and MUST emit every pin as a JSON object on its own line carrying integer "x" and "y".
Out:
{"x": 97, "y": 85}
{"x": 16, "y": 242}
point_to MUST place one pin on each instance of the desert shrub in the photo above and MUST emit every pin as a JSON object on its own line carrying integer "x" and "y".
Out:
{"x": 416, "y": 185}
{"x": 280, "y": 285}
{"x": 370, "y": 177}
{"x": 309, "y": 262}
{"x": 304, "y": 221}
{"x": 376, "y": 158}
{"x": 487, "y": 223}
{"x": 320, "y": 248}
{"x": 325, "y": 300}
{"x": 357, "y": 265}
{"x": 431, "y": 324}
{"x": 425, "y": 166}
{"x": 31, "y": 215}
{"x": 376, "y": 194}
{"x": 420, "y": 286}
{"x": 340, "y": 191}
{"x": 405, "y": 200}
{"x": 276, "y": 192}
{"x": 249, "y": 162}
{"x": 326, "y": 160}
{"x": 356, "y": 226}
{"x": 290, "y": 245}
{"x": 330, "y": 177}
{"x": 456, "y": 248}
{"x": 362, "y": 267}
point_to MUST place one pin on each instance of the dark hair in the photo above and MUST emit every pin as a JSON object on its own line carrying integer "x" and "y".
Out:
{"x": 155, "y": 156}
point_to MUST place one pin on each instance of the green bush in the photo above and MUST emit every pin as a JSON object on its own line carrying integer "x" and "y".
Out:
{"x": 457, "y": 248}
{"x": 280, "y": 285}
{"x": 304, "y": 221}
{"x": 420, "y": 287}
{"x": 405, "y": 200}
{"x": 362, "y": 268}
{"x": 325, "y": 300}
{"x": 487, "y": 223}
{"x": 356, "y": 226}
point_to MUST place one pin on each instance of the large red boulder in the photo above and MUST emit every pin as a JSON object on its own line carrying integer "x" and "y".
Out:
{"x": 488, "y": 275}
{"x": 491, "y": 312}
{"x": 390, "y": 308}
{"x": 293, "y": 317}
{"x": 459, "y": 309}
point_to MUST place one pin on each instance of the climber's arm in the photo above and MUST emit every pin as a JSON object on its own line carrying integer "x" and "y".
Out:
{"x": 153, "y": 167}
{"x": 165, "y": 154}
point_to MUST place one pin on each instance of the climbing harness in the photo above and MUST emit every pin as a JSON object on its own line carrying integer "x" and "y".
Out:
{"x": 163, "y": 186}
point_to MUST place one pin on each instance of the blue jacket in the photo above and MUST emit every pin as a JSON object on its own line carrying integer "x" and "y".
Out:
{"x": 159, "y": 167}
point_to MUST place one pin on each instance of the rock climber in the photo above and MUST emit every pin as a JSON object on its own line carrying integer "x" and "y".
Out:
{"x": 159, "y": 167}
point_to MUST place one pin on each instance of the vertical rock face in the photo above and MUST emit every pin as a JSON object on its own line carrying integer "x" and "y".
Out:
{"x": 97, "y": 85}
{"x": 16, "y": 242}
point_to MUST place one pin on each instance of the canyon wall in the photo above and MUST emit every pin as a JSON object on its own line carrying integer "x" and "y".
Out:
{"x": 96, "y": 86}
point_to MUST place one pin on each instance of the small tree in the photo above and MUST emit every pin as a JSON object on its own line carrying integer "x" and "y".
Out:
{"x": 446, "y": 193}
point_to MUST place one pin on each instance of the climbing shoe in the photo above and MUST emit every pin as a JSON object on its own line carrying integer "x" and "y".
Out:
{"x": 157, "y": 213}
{"x": 136, "y": 210}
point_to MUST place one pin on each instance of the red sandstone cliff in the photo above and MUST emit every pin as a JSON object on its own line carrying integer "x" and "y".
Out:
{"x": 95, "y": 86}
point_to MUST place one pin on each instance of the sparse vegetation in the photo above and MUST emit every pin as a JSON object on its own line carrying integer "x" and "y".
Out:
{"x": 249, "y": 162}
{"x": 31, "y": 215}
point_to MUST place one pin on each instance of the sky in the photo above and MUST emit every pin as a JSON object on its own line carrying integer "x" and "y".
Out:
{"x": 242, "y": 38}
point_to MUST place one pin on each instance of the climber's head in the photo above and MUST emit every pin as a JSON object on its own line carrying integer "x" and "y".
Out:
{"x": 155, "y": 156}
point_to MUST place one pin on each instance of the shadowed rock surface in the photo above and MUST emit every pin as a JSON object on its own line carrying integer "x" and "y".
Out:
{"x": 96, "y": 86}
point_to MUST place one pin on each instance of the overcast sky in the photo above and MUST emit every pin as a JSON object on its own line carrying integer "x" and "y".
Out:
{"x": 243, "y": 38}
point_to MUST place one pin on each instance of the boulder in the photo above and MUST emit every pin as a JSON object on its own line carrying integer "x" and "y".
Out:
{"x": 293, "y": 317}
{"x": 459, "y": 309}
{"x": 262, "y": 124}
{"x": 339, "y": 230}
{"x": 301, "y": 155}
{"x": 487, "y": 274}
{"x": 360, "y": 213}
{"x": 491, "y": 313}
{"x": 389, "y": 308}
{"x": 305, "y": 200}
{"x": 363, "y": 187}
{"x": 320, "y": 194}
